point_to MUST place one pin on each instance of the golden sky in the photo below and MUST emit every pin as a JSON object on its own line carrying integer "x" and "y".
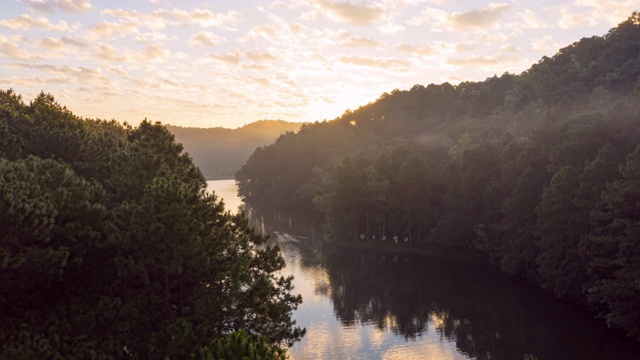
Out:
{"x": 229, "y": 63}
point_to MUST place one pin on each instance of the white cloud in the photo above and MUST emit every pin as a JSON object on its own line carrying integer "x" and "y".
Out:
{"x": 200, "y": 17}
{"x": 26, "y": 23}
{"x": 360, "y": 13}
{"x": 480, "y": 18}
{"x": 500, "y": 62}
{"x": 51, "y": 44}
{"x": 359, "y": 41}
{"x": 155, "y": 52}
{"x": 109, "y": 53}
{"x": 390, "y": 28}
{"x": 387, "y": 63}
{"x": 204, "y": 38}
{"x": 50, "y": 6}
{"x": 543, "y": 43}
{"x": 11, "y": 50}
{"x": 531, "y": 21}
{"x": 106, "y": 28}
{"x": 419, "y": 50}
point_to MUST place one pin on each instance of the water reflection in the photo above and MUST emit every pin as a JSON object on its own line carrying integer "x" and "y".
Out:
{"x": 369, "y": 305}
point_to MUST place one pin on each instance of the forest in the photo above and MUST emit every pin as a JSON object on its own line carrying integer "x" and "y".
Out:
{"x": 110, "y": 248}
{"x": 538, "y": 172}
{"x": 221, "y": 152}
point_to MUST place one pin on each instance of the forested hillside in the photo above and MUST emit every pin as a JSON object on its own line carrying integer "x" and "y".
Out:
{"x": 221, "y": 152}
{"x": 111, "y": 248}
{"x": 539, "y": 171}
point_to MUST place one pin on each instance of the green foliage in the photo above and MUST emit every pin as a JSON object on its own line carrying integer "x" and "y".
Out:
{"x": 521, "y": 168}
{"x": 110, "y": 246}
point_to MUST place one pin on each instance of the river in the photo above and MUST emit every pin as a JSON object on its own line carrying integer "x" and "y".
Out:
{"x": 370, "y": 305}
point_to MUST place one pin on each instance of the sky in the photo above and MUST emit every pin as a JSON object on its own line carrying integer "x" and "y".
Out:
{"x": 230, "y": 63}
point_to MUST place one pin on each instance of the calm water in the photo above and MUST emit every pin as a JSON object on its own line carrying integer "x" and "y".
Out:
{"x": 368, "y": 305}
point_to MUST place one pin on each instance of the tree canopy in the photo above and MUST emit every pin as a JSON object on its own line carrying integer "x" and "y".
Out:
{"x": 535, "y": 171}
{"x": 110, "y": 247}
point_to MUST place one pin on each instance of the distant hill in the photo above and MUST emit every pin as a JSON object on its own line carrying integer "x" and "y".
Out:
{"x": 220, "y": 152}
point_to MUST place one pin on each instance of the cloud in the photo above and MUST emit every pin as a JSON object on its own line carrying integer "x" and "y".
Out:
{"x": 204, "y": 38}
{"x": 360, "y": 13}
{"x": 73, "y": 42}
{"x": 200, "y": 17}
{"x": 51, "y": 44}
{"x": 160, "y": 18}
{"x": 261, "y": 55}
{"x": 109, "y": 53}
{"x": 509, "y": 47}
{"x": 154, "y": 53}
{"x": 418, "y": 50}
{"x": 106, "y": 28}
{"x": 26, "y": 23}
{"x": 390, "y": 28}
{"x": 390, "y": 64}
{"x": 591, "y": 12}
{"x": 531, "y": 21}
{"x": 543, "y": 43}
{"x": 480, "y": 18}
{"x": 13, "y": 51}
{"x": 81, "y": 73}
{"x": 359, "y": 41}
{"x": 49, "y": 6}
{"x": 231, "y": 58}
{"x": 481, "y": 61}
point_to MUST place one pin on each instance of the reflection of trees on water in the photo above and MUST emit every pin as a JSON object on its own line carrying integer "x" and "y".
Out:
{"x": 485, "y": 314}
{"x": 488, "y": 316}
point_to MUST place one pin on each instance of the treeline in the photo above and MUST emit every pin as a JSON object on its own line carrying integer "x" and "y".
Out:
{"x": 220, "y": 152}
{"x": 111, "y": 248}
{"x": 539, "y": 171}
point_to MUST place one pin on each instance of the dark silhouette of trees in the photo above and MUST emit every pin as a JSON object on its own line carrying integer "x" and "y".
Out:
{"x": 110, "y": 247}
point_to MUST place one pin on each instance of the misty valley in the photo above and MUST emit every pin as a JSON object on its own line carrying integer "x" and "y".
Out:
{"x": 494, "y": 219}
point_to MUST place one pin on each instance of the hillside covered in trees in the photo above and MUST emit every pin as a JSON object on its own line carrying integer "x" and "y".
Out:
{"x": 538, "y": 171}
{"x": 221, "y": 152}
{"x": 111, "y": 248}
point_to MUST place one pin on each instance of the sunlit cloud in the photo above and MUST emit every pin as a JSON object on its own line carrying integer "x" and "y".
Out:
{"x": 359, "y": 41}
{"x": 479, "y": 18}
{"x": 419, "y": 50}
{"x": 359, "y": 13}
{"x": 391, "y": 28}
{"x": 155, "y": 52}
{"x": 26, "y": 23}
{"x": 122, "y": 28}
{"x": 231, "y": 58}
{"x": 543, "y": 44}
{"x": 50, "y": 6}
{"x": 590, "y": 12}
{"x": 481, "y": 61}
{"x": 294, "y": 59}
{"x": 107, "y": 52}
{"x": 390, "y": 64}
{"x": 530, "y": 20}
{"x": 11, "y": 50}
{"x": 160, "y": 18}
{"x": 205, "y": 38}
